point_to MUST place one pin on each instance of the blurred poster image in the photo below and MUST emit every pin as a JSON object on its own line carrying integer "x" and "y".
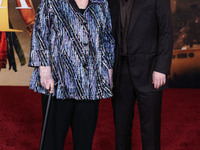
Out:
{"x": 185, "y": 71}
{"x": 16, "y": 24}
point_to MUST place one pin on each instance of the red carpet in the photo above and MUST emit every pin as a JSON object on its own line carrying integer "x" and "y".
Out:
{"x": 20, "y": 121}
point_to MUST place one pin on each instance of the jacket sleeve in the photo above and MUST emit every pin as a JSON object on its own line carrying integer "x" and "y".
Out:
{"x": 40, "y": 41}
{"x": 109, "y": 42}
{"x": 165, "y": 37}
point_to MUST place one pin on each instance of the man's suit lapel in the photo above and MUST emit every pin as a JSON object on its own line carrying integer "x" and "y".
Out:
{"x": 137, "y": 6}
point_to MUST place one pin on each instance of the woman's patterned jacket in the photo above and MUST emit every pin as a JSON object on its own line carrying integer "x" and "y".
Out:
{"x": 78, "y": 47}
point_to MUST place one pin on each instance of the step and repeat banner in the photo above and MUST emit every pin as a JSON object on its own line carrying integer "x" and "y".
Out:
{"x": 17, "y": 19}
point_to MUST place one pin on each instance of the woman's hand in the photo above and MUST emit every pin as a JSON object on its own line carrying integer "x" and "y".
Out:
{"x": 110, "y": 71}
{"x": 46, "y": 78}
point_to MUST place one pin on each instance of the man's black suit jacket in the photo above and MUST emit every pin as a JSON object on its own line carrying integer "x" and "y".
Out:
{"x": 150, "y": 41}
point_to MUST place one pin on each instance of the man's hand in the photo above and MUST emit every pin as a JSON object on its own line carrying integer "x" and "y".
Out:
{"x": 46, "y": 79}
{"x": 110, "y": 71}
{"x": 159, "y": 79}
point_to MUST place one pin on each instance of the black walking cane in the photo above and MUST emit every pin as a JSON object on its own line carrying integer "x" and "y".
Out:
{"x": 45, "y": 121}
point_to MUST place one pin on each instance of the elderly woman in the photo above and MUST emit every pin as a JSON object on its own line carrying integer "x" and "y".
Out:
{"x": 72, "y": 52}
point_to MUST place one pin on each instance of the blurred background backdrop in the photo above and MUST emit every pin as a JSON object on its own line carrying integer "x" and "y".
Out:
{"x": 20, "y": 108}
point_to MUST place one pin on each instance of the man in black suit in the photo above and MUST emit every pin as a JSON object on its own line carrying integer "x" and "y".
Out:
{"x": 144, "y": 38}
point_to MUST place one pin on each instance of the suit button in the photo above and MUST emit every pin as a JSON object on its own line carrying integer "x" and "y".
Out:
{"x": 84, "y": 22}
{"x": 86, "y": 44}
{"x": 85, "y": 65}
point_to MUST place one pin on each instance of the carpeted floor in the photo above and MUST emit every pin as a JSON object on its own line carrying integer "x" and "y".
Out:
{"x": 21, "y": 119}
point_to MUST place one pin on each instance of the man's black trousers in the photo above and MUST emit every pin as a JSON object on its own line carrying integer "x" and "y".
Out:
{"x": 149, "y": 105}
{"x": 80, "y": 115}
